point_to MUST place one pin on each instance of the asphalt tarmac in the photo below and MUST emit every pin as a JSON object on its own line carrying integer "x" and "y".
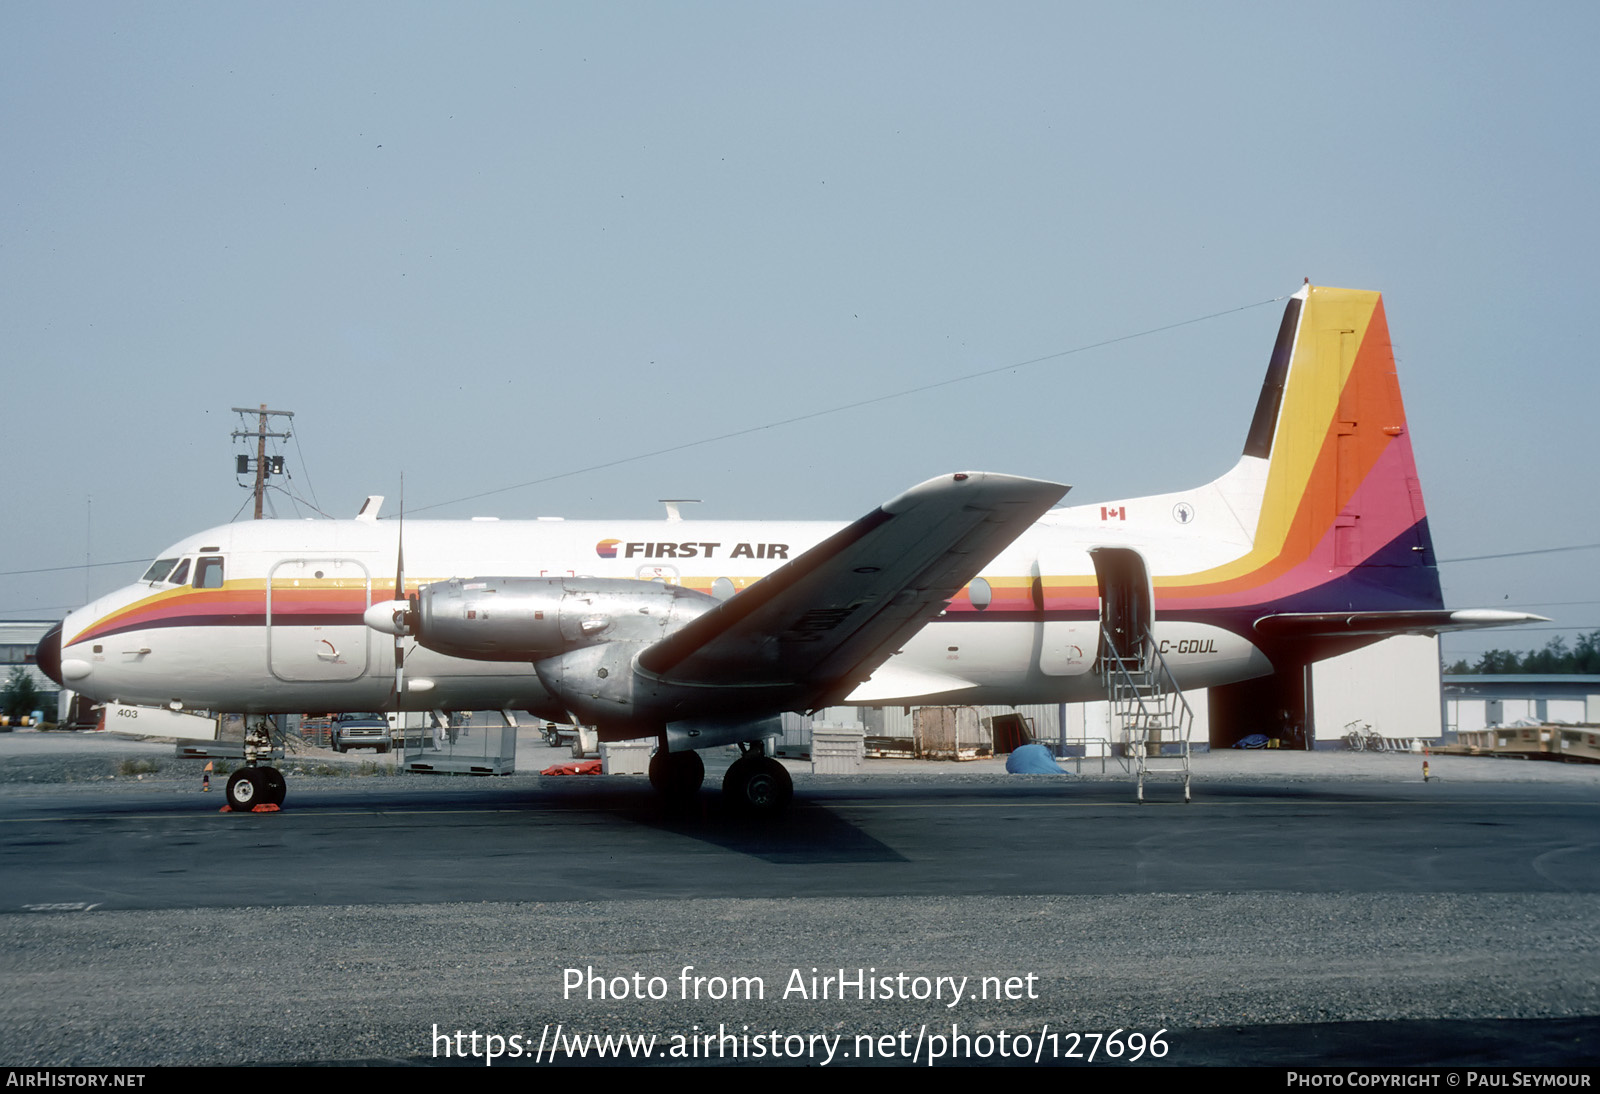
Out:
{"x": 1322, "y": 909}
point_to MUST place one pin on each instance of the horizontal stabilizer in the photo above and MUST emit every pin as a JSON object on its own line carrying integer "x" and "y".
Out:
{"x": 1293, "y": 625}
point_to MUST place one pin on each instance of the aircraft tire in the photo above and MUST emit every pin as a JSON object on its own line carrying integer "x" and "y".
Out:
{"x": 758, "y": 785}
{"x": 274, "y": 787}
{"x": 245, "y": 790}
{"x": 677, "y": 774}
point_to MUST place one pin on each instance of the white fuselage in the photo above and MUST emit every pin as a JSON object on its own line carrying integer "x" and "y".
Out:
{"x": 283, "y": 631}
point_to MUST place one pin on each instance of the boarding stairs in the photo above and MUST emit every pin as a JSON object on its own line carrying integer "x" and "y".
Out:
{"x": 1148, "y": 708}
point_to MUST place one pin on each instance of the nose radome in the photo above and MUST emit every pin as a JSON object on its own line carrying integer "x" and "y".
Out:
{"x": 48, "y": 656}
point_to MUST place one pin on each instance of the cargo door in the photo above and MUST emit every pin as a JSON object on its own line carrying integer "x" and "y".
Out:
{"x": 314, "y": 626}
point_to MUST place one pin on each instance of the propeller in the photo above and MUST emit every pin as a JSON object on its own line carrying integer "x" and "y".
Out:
{"x": 399, "y": 615}
{"x": 400, "y": 596}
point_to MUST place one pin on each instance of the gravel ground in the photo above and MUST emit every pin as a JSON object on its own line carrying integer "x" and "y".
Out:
{"x": 371, "y": 983}
{"x": 341, "y": 984}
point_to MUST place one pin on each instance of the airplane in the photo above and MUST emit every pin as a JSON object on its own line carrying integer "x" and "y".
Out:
{"x": 968, "y": 588}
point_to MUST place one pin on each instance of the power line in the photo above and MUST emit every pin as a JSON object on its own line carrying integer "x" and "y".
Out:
{"x": 315, "y": 504}
{"x": 1573, "y": 627}
{"x": 78, "y": 566}
{"x": 849, "y": 406}
{"x": 298, "y": 500}
{"x": 1519, "y": 554}
{"x": 1549, "y": 603}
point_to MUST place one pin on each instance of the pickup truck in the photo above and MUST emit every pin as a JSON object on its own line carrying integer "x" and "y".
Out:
{"x": 361, "y": 731}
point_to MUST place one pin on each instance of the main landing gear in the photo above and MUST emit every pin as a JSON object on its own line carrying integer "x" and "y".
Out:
{"x": 756, "y": 784}
{"x": 256, "y": 789}
{"x": 677, "y": 775}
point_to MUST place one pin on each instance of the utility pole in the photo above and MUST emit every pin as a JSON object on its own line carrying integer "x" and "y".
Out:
{"x": 261, "y": 435}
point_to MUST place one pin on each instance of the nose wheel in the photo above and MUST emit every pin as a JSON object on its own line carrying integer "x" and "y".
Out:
{"x": 256, "y": 789}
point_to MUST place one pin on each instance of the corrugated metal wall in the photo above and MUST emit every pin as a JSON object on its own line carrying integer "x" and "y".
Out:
{"x": 1075, "y": 726}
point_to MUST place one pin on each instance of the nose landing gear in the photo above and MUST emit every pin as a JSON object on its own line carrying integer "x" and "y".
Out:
{"x": 256, "y": 790}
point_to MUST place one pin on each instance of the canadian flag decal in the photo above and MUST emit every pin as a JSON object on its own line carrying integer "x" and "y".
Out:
{"x": 1119, "y": 513}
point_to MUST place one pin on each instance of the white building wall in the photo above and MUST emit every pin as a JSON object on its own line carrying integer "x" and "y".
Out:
{"x": 1473, "y": 713}
{"x": 1465, "y": 715}
{"x": 1518, "y": 710}
{"x": 1392, "y": 685}
{"x": 1565, "y": 710}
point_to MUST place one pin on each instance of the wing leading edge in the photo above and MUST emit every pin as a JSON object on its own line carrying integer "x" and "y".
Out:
{"x": 827, "y": 619}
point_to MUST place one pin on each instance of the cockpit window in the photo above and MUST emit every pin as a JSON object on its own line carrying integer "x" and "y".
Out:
{"x": 159, "y": 569}
{"x": 208, "y": 574}
{"x": 180, "y": 576}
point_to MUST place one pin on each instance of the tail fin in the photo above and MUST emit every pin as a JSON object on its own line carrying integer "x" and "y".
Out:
{"x": 1328, "y": 472}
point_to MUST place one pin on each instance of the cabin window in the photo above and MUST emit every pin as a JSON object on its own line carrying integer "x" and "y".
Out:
{"x": 180, "y": 576}
{"x": 159, "y": 569}
{"x": 979, "y": 593}
{"x": 208, "y": 573}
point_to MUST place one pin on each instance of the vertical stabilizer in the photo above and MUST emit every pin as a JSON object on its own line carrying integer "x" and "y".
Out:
{"x": 1328, "y": 473}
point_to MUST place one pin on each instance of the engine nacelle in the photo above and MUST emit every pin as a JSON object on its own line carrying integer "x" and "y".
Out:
{"x": 532, "y": 618}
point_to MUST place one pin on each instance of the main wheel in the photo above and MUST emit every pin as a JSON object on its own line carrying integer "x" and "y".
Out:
{"x": 677, "y": 774}
{"x": 273, "y": 785}
{"x": 758, "y": 784}
{"x": 245, "y": 790}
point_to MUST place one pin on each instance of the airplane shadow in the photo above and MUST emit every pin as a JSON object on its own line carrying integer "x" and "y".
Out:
{"x": 811, "y": 831}
{"x": 807, "y": 833}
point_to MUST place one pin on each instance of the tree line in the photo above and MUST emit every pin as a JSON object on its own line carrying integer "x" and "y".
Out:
{"x": 1583, "y": 656}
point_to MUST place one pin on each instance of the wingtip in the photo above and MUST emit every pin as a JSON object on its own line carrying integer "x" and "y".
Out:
{"x": 1494, "y": 617}
{"x": 986, "y": 487}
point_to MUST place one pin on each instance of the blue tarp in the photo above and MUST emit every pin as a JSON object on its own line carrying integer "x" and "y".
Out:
{"x": 1255, "y": 740}
{"x": 1033, "y": 760}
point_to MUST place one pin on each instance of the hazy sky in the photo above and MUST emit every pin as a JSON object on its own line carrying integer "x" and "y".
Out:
{"x": 487, "y": 243}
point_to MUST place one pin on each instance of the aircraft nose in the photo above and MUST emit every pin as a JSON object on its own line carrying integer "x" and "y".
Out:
{"x": 48, "y": 655}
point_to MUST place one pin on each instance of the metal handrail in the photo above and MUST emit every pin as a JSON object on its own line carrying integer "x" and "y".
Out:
{"x": 1172, "y": 707}
{"x": 1116, "y": 665}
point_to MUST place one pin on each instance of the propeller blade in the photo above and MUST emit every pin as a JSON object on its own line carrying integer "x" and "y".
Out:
{"x": 400, "y": 595}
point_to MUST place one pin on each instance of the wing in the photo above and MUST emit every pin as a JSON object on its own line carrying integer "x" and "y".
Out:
{"x": 828, "y": 618}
